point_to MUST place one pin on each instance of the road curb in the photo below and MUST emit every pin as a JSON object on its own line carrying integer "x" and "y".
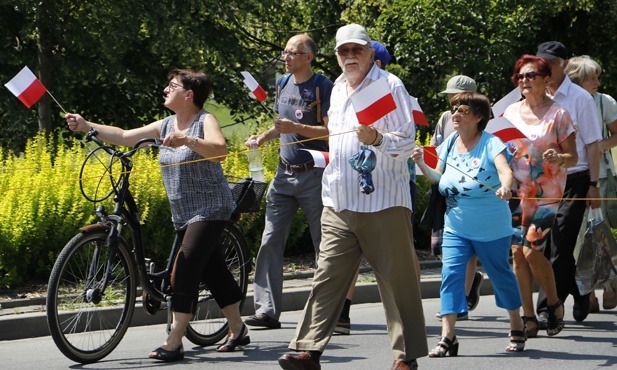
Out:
{"x": 30, "y": 325}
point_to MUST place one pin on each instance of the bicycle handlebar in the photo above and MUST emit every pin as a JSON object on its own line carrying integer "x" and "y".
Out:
{"x": 92, "y": 136}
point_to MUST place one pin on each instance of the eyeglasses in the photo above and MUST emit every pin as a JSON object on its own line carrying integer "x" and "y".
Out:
{"x": 291, "y": 54}
{"x": 528, "y": 75}
{"x": 174, "y": 86}
{"x": 462, "y": 109}
{"x": 356, "y": 50}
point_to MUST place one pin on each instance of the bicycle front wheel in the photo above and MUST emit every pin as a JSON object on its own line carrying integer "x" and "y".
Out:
{"x": 85, "y": 319}
{"x": 209, "y": 325}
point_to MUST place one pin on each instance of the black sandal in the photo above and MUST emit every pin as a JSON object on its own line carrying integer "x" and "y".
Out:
{"x": 162, "y": 354}
{"x": 555, "y": 324}
{"x": 444, "y": 346}
{"x": 517, "y": 340}
{"x": 533, "y": 332}
{"x": 231, "y": 344}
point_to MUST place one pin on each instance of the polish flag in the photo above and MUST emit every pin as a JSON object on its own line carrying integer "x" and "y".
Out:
{"x": 430, "y": 156}
{"x": 320, "y": 158}
{"x": 26, "y": 87}
{"x": 503, "y": 129}
{"x": 512, "y": 97}
{"x": 257, "y": 91}
{"x": 418, "y": 115}
{"x": 374, "y": 102}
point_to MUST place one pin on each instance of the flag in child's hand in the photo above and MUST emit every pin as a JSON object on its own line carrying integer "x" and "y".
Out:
{"x": 26, "y": 87}
{"x": 257, "y": 91}
{"x": 418, "y": 115}
{"x": 373, "y": 102}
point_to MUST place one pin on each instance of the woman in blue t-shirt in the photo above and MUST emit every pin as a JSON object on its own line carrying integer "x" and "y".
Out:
{"x": 475, "y": 181}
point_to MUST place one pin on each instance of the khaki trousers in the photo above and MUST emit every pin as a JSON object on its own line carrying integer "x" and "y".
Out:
{"x": 385, "y": 238}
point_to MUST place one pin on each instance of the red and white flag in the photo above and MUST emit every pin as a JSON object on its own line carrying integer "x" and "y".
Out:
{"x": 320, "y": 158}
{"x": 26, "y": 87}
{"x": 257, "y": 91}
{"x": 503, "y": 129}
{"x": 512, "y": 97}
{"x": 431, "y": 157}
{"x": 374, "y": 102}
{"x": 418, "y": 114}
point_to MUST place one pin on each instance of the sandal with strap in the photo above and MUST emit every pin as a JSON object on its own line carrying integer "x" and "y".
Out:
{"x": 517, "y": 340}
{"x": 444, "y": 346}
{"x": 165, "y": 355}
{"x": 231, "y": 344}
{"x": 555, "y": 324}
{"x": 533, "y": 332}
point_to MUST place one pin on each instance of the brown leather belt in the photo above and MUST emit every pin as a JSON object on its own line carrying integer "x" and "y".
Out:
{"x": 297, "y": 167}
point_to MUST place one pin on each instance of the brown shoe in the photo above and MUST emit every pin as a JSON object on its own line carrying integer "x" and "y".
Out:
{"x": 303, "y": 361}
{"x": 609, "y": 298}
{"x": 594, "y": 305}
{"x": 263, "y": 320}
{"x": 405, "y": 365}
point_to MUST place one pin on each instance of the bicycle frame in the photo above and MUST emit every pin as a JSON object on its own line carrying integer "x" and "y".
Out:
{"x": 126, "y": 212}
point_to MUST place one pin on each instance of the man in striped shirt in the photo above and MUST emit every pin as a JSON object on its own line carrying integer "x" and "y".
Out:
{"x": 354, "y": 224}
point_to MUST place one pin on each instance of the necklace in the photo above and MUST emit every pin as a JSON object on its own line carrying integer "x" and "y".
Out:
{"x": 543, "y": 101}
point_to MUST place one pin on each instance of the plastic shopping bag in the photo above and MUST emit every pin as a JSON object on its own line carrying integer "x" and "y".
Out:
{"x": 595, "y": 252}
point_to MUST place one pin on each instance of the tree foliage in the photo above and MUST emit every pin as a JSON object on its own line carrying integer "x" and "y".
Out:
{"x": 108, "y": 58}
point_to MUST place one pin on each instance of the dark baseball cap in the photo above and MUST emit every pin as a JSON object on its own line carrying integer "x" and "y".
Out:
{"x": 552, "y": 49}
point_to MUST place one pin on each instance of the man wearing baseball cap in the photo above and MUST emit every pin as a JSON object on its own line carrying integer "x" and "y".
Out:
{"x": 355, "y": 224}
{"x": 581, "y": 182}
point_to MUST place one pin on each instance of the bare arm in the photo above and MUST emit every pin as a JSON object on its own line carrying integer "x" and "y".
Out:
{"x": 213, "y": 145}
{"x": 610, "y": 142}
{"x": 114, "y": 135}
{"x": 568, "y": 157}
{"x": 287, "y": 126}
{"x": 505, "y": 176}
{"x": 432, "y": 175}
{"x": 593, "y": 155}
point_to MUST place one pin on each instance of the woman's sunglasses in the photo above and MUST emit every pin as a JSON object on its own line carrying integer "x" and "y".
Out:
{"x": 528, "y": 75}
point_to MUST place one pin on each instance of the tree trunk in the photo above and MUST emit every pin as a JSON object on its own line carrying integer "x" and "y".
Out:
{"x": 44, "y": 51}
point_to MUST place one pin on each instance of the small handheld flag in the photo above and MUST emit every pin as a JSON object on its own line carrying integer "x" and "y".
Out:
{"x": 503, "y": 129}
{"x": 320, "y": 158}
{"x": 374, "y": 102}
{"x": 512, "y": 97}
{"x": 26, "y": 87}
{"x": 431, "y": 159}
{"x": 418, "y": 115}
{"x": 257, "y": 91}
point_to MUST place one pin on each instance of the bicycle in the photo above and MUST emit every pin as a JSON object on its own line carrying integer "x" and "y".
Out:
{"x": 92, "y": 288}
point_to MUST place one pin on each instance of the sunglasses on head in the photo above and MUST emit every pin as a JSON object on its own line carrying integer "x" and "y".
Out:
{"x": 528, "y": 75}
{"x": 462, "y": 109}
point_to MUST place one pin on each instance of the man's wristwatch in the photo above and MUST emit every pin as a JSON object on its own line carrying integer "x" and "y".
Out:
{"x": 593, "y": 183}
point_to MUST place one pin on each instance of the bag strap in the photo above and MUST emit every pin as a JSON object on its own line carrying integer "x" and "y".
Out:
{"x": 445, "y": 164}
{"x": 605, "y": 134}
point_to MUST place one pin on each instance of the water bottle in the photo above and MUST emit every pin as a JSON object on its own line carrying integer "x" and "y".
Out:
{"x": 256, "y": 167}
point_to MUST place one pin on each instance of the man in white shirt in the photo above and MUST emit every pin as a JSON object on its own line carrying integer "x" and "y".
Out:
{"x": 354, "y": 224}
{"x": 582, "y": 180}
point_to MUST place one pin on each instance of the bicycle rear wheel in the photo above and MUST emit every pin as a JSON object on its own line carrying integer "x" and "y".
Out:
{"x": 85, "y": 322}
{"x": 209, "y": 325}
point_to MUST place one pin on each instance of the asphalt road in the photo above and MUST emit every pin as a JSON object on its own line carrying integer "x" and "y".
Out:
{"x": 588, "y": 345}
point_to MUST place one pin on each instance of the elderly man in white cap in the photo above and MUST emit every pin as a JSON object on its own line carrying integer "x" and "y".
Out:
{"x": 354, "y": 224}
